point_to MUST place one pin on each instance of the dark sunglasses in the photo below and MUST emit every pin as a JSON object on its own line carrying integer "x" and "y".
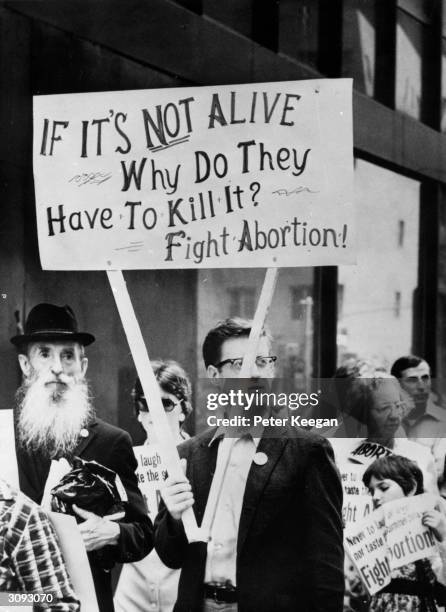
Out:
{"x": 167, "y": 403}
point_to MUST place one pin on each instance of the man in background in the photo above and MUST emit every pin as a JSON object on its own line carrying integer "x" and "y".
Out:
{"x": 426, "y": 419}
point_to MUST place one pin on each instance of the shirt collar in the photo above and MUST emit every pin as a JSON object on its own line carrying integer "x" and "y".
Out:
{"x": 433, "y": 410}
{"x": 218, "y": 435}
{"x": 221, "y": 432}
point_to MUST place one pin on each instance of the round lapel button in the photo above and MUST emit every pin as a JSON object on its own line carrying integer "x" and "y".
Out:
{"x": 260, "y": 458}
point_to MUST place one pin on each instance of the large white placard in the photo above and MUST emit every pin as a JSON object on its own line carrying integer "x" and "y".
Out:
{"x": 253, "y": 175}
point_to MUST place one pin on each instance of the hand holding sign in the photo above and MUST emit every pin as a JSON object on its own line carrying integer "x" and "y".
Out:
{"x": 177, "y": 495}
{"x": 436, "y": 520}
{"x": 398, "y": 533}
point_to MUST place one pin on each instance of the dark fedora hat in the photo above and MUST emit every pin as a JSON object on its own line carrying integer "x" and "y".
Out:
{"x": 50, "y": 322}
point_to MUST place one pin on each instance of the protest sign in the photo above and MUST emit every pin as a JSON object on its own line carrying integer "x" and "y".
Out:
{"x": 8, "y": 458}
{"x": 366, "y": 546}
{"x": 76, "y": 559}
{"x": 367, "y": 452}
{"x": 355, "y": 508}
{"x": 151, "y": 473}
{"x": 252, "y": 175}
{"x": 390, "y": 537}
{"x": 407, "y": 538}
{"x": 357, "y": 503}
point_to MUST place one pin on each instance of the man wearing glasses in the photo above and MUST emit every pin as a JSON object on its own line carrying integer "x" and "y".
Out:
{"x": 426, "y": 419}
{"x": 268, "y": 502}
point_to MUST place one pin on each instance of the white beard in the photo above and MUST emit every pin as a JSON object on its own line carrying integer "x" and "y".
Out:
{"x": 50, "y": 417}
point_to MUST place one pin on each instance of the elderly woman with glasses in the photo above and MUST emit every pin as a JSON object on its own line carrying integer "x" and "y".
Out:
{"x": 149, "y": 584}
{"x": 376, "y": 405}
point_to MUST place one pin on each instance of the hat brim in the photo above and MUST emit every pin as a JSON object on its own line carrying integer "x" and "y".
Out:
{"x": 83, "y": 338}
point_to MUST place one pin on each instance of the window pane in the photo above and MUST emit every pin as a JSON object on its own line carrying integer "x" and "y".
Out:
{"x": 242, "y": 302}
{"x": 290, "y": 319}
{"x": 235, "y": 15}
{"x": 299, "y": 300}
{"x": 441, "y": 340}
{"x": 298, "y": 26}
{"x": 358, "y": 59}
{"x": 375, "y": 321}
{"x": 443, "y": 87}
{"x": 408, "y": 64}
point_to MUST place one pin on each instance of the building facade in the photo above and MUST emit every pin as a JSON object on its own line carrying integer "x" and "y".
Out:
{"x": 393, "y": 302}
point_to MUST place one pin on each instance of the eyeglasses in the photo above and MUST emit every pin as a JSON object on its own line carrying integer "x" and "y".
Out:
{"x": 167, "y": 403}
{"x": 397, "y": 407}
{"x": 236, "y": 364}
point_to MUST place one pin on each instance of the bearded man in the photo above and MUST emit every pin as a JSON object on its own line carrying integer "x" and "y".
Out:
{"x": 55, "y": 419}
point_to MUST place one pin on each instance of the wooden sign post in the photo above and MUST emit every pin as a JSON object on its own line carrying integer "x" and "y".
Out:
{"x": 263, "y": 305}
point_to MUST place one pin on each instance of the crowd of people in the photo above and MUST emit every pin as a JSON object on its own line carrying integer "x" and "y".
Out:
{"x": 269, "y": 500}
{"x": 393, "y": 433}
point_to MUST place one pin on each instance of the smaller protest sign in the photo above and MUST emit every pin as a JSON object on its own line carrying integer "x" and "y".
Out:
{"x": 366, "y": 452}
{"x": 355, "y": 508}
{"x": 151, "y": 473}
{"x": 8, "y": 459}
{"x": 357, "y": 503}
{"x": 392, "y": 536}
{"x": 366, "y": 546}
{"x": 407, "y": 538}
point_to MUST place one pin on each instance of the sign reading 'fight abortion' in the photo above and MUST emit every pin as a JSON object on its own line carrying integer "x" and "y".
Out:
{"x": 256, "y": 175}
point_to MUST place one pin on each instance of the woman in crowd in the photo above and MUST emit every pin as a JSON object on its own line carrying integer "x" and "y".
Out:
{"x": 148, "y": 584}
{"x": 414, "y": 587}
{"x": 374, "y": 408}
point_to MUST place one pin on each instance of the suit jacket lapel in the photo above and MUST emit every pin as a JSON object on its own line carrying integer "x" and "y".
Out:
{"x": 258, "y": 478}
{"x": 202, "y": 468}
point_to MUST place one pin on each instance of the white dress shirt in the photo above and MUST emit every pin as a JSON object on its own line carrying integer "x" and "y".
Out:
{"x": 234, "y": 459}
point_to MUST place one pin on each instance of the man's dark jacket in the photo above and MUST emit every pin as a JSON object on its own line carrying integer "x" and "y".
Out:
{"x": 289, "y": 548}
{"x": 111, "y": 447}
